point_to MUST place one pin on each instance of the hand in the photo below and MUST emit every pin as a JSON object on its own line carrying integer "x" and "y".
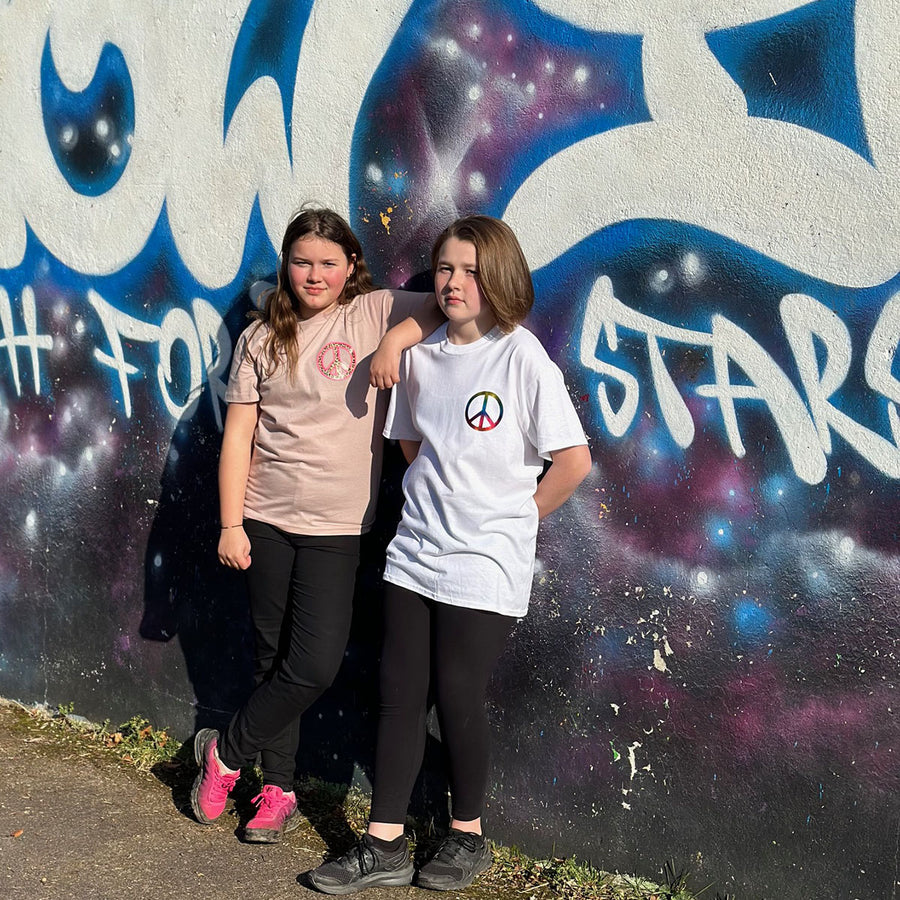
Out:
{"x": 234, "y": 548}
{"x": 384, "y": 370}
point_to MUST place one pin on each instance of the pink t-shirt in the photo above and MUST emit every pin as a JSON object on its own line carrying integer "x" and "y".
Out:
{"x": 317, "y": 447}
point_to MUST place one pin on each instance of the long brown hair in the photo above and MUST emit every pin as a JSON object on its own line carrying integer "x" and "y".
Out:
{"x": 281, "y": 311}
{"x": 503, "y": 272}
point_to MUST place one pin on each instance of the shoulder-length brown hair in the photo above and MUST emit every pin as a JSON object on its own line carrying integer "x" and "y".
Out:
{"x": 503, "y": 272}
{"x": 282, "y": 308}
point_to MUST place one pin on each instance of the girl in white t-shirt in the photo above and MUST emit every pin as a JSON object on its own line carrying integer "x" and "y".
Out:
{"x": 479, "y": 408}
{"x": 298, "y": 478}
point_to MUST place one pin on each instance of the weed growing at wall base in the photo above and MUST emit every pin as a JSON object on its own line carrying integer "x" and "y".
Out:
{"x": 335, "y": 812}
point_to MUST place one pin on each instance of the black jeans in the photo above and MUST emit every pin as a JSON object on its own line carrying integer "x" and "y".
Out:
{"x": 454, "y": 649}
{"x": 301, "y": 601}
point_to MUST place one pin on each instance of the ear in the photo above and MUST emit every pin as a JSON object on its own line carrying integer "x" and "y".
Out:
{"x": 352, "y": 264}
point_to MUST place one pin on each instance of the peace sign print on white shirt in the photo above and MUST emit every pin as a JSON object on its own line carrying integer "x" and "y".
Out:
{"x": 484, "y": 411}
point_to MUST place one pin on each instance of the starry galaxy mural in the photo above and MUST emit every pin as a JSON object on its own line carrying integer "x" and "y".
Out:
{"x": 709, "y": 669}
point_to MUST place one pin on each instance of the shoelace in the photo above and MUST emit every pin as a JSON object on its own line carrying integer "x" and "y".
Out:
{"x": 455, "y": 845}
{"x": 269, "y": 801}
{"x": 261, "y": 800}
{"x": 366, "y": 857}
{"x": 223, "y": 783}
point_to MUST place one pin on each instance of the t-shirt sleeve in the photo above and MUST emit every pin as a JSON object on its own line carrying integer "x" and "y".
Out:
{"x": 243, "y": 379}
{"x": 403, "y": 304}
{"x": 554, "y": 423}
{"x": 398, "y": 425}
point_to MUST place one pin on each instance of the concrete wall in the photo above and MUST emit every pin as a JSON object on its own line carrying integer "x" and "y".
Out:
{"x": 708, "y": 195}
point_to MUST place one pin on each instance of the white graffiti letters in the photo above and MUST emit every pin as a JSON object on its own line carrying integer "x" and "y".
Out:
{"x": 203, "y": 338}
{"x": 31, "y": 340}
{"x": 804, "y": 426}
{"x": 880, "y": 356}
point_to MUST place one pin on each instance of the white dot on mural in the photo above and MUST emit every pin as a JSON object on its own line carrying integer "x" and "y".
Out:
{"x": 115, "y": 150}
{"x": 102, "y": 128}
{"x": 702, "y": 578}
{"x": 530, "y": 88}
{"x": 692, "y": 268}
{"x": 374, "y": 173}
{"x": 31, "y": 522}
{"x": 660, "y": 280}
{"x": 581, "y": 75}
{"x": 451, "y": 48}
{"x": 88, "y": 454}
{"x": 173, "y": 455}
{"x": 477, "y": 183}
{"x": 846, "y": 547}
{"x": 475, "y": 92}
{"x": 474, "y": 31}
{"x": 509, "y": 38}
{"x": 549, "y": 67}
{"x": 79, "y": 326}
{"x": 157, "y": 560}
{"x": 68, "y": 137}
{"x": 540, "y": 115}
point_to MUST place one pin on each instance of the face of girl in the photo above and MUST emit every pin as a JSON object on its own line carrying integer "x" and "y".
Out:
{"x": 459, "y": 291}
{"x": 318, "y": 270}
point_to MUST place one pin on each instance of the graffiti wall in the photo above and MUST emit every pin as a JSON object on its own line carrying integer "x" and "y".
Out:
{"x": 708, "y": 196}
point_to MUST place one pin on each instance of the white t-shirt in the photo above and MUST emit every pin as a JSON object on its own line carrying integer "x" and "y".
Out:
{"x": 317, "y": 447}
{"x": 488, "y": 413}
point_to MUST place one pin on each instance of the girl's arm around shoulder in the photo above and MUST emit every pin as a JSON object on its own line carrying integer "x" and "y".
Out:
{"x": 384, "y": 371}
{"x": 568, "y": 468}
{"x": 234, "y": 467}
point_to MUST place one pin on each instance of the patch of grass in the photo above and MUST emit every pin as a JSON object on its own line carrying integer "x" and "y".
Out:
{"x": 135, "y": 742}
{"x": 138, "y": 742}
{"x": 337, "y": 814}
{"x": 543, "y": 879}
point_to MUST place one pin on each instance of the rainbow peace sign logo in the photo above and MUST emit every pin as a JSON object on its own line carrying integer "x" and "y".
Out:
{"x": 336, "y": 361}
{"x": 484, "y": 411}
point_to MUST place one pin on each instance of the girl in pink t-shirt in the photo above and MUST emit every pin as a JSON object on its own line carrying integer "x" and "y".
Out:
{"x": 298, "y": 475}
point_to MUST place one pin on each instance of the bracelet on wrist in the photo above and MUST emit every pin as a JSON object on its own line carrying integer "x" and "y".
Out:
{"x": 226, "y": 527}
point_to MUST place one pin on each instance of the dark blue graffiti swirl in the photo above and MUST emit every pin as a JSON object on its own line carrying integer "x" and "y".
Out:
{"x": 89, "y": 131}
{"x": 798, "y": 68}
{"x": 268, "y": 44}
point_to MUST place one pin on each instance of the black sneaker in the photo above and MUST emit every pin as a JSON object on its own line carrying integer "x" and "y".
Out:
{"x": 460, "y": 858}
{"x": 363, "y": 866}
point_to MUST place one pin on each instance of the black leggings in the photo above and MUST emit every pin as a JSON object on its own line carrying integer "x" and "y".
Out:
{"x": 301, "y": 601}
{"x": 456, "y": 649}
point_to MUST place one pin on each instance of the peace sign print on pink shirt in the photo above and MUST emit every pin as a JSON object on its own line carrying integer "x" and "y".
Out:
{"x": 336, "y": 360}
{"x": 484, "y": 411}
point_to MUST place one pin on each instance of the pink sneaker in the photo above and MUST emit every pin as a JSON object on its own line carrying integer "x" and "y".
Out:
{"x": 211, "y": 788}
{"x": 276, "y": 813}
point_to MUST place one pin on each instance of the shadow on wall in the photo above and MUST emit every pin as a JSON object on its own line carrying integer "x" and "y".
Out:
{"x": 204, "y": 605}
{"x": 193, "y": 597}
